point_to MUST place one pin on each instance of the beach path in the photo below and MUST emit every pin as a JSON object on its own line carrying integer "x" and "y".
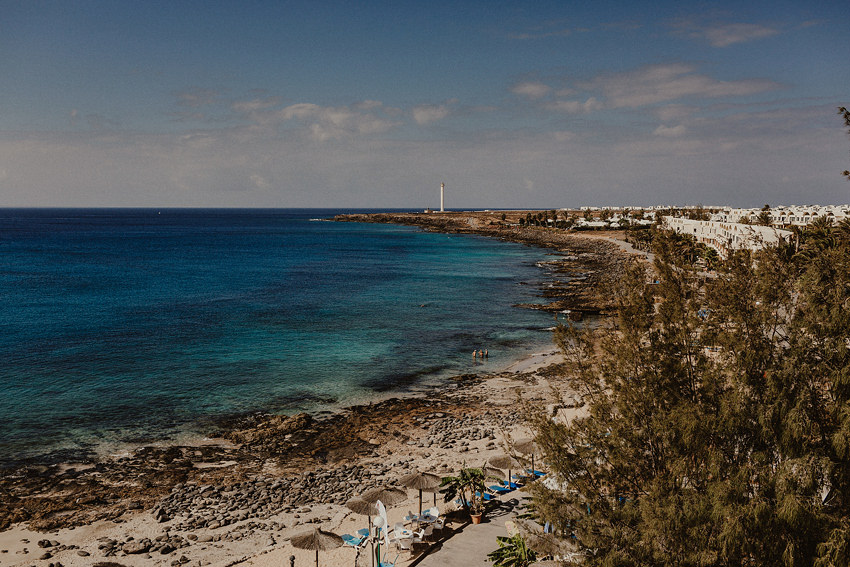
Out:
{"x": 469, "y": 544}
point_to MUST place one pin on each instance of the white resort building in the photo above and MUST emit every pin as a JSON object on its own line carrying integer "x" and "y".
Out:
{"x": 723, "y": 236}
{"x": 783, "y": 216}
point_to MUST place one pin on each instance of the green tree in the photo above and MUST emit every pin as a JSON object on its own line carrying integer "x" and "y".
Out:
{"x": 764, "y": 217}
{"x": 512, "y": 552}
{"x": 468, "y": 485}
{"x": 737, "y": 454}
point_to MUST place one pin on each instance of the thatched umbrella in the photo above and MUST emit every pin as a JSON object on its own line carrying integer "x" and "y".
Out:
{"x": 422, "y": 481}
{"x": 389, "y": 495}
{"x": 527, "y": 446}
{"x": 368, "y": 509}
{"x": 362, "y": 507}
{"x": 504, "y": 462}
{"x": 316, "y": 539}
{"x": 492, "y": 471}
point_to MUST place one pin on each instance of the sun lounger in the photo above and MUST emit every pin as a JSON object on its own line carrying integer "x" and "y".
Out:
{"x": 352, "y": 541}
{"x": 499, "y": 489}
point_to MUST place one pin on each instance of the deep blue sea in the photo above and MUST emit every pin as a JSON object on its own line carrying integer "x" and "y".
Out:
{"x": 126, "y": 326}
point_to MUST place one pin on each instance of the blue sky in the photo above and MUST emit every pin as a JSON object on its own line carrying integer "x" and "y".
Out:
{"x": 334, "y": 104}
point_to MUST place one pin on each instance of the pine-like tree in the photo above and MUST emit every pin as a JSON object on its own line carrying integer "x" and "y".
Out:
{"x": 717, "y": 429}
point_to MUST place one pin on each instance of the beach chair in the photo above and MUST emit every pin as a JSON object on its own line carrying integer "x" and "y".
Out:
{"x": 352, "y": 541}
{"x": 498, "y": 489}
{"x": 363, "y": 532}
{"x": 390, "y": 563}
{"x": 403, "y": 544}
{"x": 439, "y": 524}
{"x": 433, "y": 512}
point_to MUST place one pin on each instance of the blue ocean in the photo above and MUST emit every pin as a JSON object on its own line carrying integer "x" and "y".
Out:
{"x": 128, "y": 326}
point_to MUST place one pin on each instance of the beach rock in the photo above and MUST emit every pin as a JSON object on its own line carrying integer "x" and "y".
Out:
{"x": 136, "y": 547}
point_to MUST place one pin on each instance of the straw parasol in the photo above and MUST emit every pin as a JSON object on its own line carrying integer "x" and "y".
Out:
{"x": 316, "y": 539}
{"x": 389, "y": 495}
{"x": 527, "y": 446}
{"x": 492, "y": 471}
{"x": 504, "y": 462}
{"x": 422, "y": 481}
{"x": 360, "y": 506}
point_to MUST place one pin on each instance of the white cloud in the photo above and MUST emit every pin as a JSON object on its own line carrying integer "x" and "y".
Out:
{"x": 664, "y": 83}
{"x": 248, "y": 106}
{"x": 367, "y": 104}
{"x": 259, "y": 181}
{"x": 670, "y": 131}
{"x": 730, "y": 34}
{"x": 724, "y": 34}
{"x": 427, "y": 113}
{"x": 334, "y": 123}
{"x": 674, "y": 112}
{"x": 576, "y": 107}
{"x": 531, "y": 89}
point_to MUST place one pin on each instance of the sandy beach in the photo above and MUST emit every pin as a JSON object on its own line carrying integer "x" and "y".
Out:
{"x": 237, "y": 498}
{"x": 461, "y": 425}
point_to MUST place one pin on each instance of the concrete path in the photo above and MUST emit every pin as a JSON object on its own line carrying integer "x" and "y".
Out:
{"x": 469, "y": 545}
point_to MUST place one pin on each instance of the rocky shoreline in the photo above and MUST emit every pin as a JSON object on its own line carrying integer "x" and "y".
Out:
{"x": 264, "y": 475}
{"x": 284, "y": 473}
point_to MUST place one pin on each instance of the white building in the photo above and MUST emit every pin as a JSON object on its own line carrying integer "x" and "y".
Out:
{"x": 781, "y": 216}
{"x": 723, "y": 236}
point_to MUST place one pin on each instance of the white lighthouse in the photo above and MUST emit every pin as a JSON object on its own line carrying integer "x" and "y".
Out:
{"x": 442, "y": 196}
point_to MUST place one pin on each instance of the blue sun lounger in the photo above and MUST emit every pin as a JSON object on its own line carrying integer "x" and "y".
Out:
{"x": 350, "y": 540}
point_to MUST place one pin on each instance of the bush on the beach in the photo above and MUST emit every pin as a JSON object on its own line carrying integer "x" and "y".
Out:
{"x": 718, "y": 430}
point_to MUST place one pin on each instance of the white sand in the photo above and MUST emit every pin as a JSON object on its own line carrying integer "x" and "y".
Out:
{"x": 18, "y": 545}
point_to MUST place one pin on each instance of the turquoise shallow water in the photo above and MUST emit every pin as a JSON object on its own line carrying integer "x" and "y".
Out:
{"x": 127, "y": 326}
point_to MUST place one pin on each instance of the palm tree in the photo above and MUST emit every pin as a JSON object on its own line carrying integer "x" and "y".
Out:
{"x": 469, "y": 485}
